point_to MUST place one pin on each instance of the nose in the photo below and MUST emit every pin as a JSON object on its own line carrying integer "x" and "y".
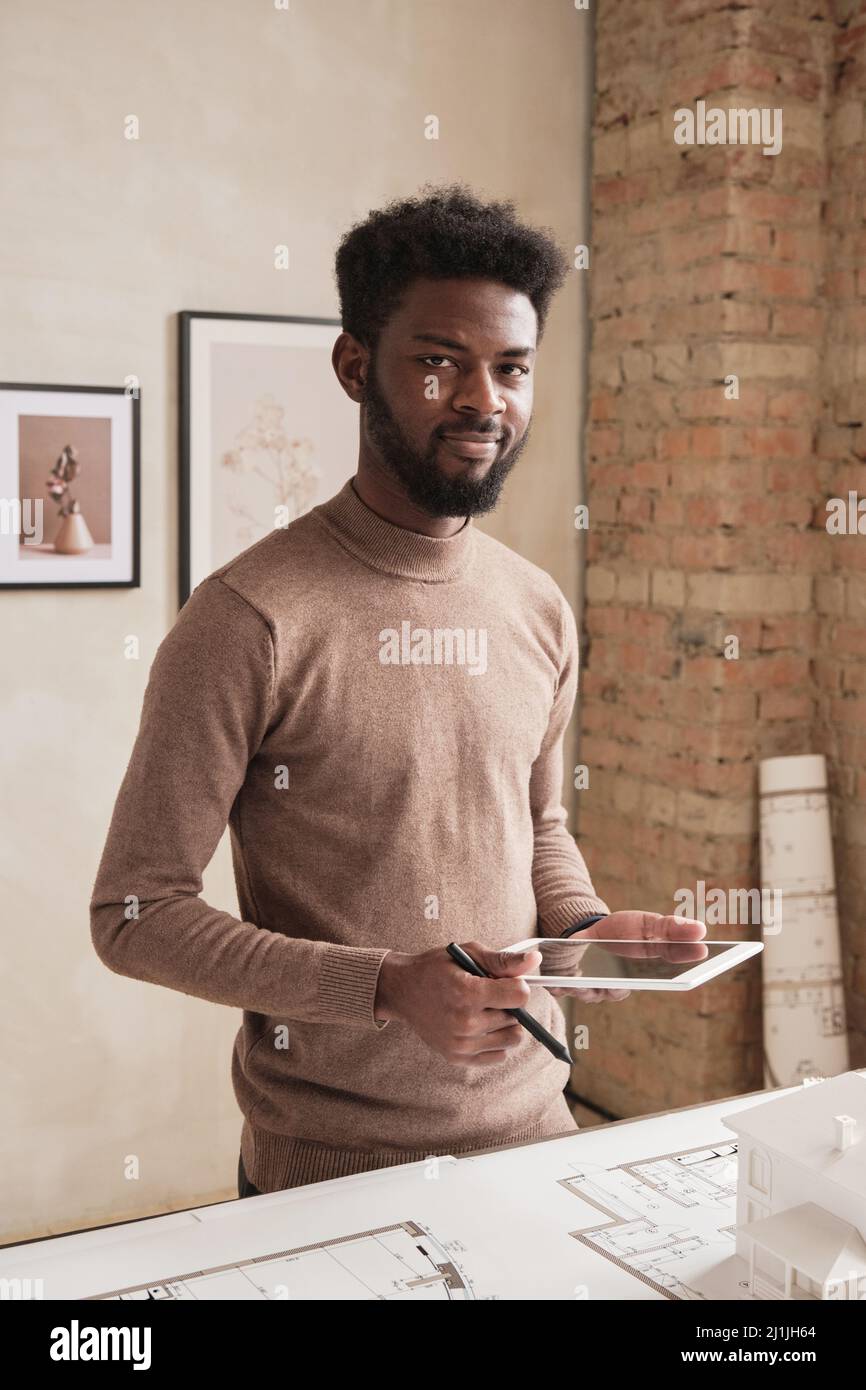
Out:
{"x": 478, "y": 393}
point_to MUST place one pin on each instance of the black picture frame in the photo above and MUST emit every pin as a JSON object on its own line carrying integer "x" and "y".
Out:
{"x": 134, "y": 398}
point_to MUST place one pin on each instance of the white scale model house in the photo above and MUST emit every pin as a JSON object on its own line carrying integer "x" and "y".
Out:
{"x": 801, "y": 1191}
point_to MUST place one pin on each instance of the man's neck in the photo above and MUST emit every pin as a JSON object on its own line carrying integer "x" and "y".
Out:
{"x": 383, "y": 496}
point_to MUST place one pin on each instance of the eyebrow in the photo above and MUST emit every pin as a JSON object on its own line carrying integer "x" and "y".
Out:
{"x": 461, "y": 347}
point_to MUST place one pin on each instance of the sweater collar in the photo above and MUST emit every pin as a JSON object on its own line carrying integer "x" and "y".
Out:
{"x": 394, "y": 549}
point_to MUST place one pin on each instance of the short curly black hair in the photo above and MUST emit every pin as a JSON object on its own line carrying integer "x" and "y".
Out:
{"x": 446, "y": 233}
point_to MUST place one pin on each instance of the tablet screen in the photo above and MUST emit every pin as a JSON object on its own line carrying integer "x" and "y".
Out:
{"x": 627, "y": 960}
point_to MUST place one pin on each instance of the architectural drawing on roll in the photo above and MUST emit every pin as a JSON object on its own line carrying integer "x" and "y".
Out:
{"x": 805, "y": 1033}
{"x": 801, "y": 1191}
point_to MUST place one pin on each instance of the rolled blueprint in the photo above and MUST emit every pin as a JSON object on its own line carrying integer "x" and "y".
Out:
{"x": 804, "y": 1005}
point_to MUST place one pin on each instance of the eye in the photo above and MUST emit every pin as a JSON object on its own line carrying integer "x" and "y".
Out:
{"x": 438, "y": 357}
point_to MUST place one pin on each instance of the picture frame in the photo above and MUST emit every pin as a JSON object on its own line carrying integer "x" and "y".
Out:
{"x": 70, "y": 486}
{"x": 265, "y": 431}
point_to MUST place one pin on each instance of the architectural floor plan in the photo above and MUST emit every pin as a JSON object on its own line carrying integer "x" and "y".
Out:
{"x": 397, "y": 1262}
{"x": 669, "y": 1220}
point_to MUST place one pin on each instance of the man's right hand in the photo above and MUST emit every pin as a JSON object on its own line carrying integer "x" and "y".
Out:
{"x": 461, "y": 1016}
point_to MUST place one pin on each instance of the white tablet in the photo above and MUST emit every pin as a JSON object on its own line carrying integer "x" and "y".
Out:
{"x": 653, "y": 963}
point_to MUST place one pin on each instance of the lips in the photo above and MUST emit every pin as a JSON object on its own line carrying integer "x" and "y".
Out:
{"x": 470, "y": 437}
{"x": 472, "y": 445}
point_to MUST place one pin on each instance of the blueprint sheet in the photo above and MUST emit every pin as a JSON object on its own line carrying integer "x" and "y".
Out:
{"x": 638, "y": 1210}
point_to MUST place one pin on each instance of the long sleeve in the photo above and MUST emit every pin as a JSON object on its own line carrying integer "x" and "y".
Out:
{"x": 560, "y": 878}
{"x": 206, "y": 709}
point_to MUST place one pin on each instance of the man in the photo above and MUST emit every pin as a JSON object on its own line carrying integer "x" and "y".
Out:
{"x": 374, "y": 698}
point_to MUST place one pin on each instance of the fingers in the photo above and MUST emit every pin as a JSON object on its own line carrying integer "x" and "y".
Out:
{"x": 521, "y": 963}
{"x": 505, "y": 993}
{"x": 684, "y": 929}
{"x": 636, "y": 934}
{"x": 504, "y": 963}
{"x": 502, "y": 1038}
{"x": 486, "y": 1047}
{"x": 487, "y": 1021}
{"x": 504, "y": 988}
{"x": 597, "y": 996}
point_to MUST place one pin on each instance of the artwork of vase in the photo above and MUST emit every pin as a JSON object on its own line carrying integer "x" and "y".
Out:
{"x": 73, "y": 537}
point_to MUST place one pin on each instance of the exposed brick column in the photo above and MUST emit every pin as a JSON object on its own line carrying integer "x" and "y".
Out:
{"x": 840, "y": 599}
{"x": 706, "y": 514}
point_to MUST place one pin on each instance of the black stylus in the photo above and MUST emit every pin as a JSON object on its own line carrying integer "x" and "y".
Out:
{"x": 531, "y": 1024}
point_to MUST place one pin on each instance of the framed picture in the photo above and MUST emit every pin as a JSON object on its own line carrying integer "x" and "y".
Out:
{"x": 266, "y": 431}
{"x": 69, "y": 487}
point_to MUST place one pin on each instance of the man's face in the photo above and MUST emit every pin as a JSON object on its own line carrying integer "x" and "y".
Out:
{"x": 457, "y": 358}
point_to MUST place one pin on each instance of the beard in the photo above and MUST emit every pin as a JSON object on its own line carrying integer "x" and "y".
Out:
{"x": 426, "y": 485}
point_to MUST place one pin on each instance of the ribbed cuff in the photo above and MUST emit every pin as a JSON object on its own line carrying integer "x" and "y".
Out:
{"x": 348, "y": 978}
{"x": 569, "y": 911}
{"x": 585, "y": 922}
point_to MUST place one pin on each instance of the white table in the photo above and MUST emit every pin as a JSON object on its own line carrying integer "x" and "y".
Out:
{"x": 636, "y": 1209}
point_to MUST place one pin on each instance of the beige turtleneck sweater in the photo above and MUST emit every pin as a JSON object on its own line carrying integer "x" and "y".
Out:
{"x": 378, "y": 716}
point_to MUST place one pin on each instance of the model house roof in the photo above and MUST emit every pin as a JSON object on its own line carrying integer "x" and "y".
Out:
{"x": 813, "y": 1241}
{"x": 803, "y": 1126}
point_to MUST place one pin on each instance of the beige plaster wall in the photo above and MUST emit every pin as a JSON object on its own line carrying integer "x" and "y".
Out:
{"x": 257, "y": 126}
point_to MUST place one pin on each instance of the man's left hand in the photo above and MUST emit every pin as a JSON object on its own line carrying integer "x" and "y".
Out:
{"x": 637, "y": 934}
